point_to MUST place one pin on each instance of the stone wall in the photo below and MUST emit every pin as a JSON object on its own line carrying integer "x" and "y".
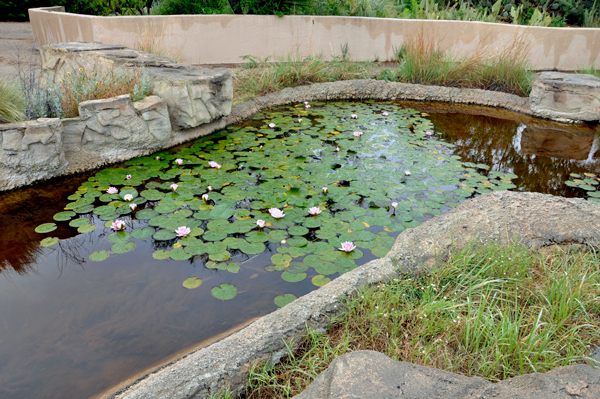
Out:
{"x": 115, "y": 129}
{"x": 217, "y": 39}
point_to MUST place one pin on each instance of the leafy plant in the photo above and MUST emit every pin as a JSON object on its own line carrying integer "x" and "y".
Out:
{"x": 12, "y": 102}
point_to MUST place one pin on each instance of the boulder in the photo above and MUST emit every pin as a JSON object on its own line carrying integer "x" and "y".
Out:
{"x": 566, "y": 97}
{"x": 31, "y": 151}
{"x": 369, "y": 374}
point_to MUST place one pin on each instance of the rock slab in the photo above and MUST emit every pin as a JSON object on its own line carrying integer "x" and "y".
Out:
{"x": 566, "y": 97}
{"x": 369, "y": 374}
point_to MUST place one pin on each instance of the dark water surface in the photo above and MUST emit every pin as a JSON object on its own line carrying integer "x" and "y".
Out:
{"x": 71, "y": 328}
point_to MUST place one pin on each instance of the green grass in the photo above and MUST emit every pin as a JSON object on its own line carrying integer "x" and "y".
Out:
{"x": 12, "y": 102}
{"x": 417, "y": 61}
{"x": 591, "y": 70}
{"x": 496, "y": 313}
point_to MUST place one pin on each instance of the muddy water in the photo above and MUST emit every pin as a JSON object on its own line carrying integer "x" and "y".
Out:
{"x": 71, "y": 328}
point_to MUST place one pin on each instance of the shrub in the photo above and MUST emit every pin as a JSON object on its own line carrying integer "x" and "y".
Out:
{"x": 12, "y": 102}
{"x": 84, "y": 86}
{"x": 176, "y": 7}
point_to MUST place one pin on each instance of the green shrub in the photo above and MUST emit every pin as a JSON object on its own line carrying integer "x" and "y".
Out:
{"x": 12, "y": 102}
{"x": 44, "y": 102}
{"x": 177, "y": 7}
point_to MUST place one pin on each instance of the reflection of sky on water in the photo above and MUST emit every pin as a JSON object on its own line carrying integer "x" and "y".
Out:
{"x": 71, "y": 328}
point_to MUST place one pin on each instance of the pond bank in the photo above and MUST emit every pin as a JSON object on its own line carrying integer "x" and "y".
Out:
{"x": 530, "y": 219}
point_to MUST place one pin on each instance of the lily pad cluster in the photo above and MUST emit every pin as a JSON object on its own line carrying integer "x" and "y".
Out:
{"x": 367, "y": 187}
{"x": 588, "y": 183}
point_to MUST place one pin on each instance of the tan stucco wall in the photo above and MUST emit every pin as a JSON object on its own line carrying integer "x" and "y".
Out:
{"x": 216, "y": 39}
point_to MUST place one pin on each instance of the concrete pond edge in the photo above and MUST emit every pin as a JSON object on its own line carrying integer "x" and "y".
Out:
{"x": 530, "y": 219}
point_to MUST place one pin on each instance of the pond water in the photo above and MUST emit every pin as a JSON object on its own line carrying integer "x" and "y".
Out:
{"x": 73, "y": 327}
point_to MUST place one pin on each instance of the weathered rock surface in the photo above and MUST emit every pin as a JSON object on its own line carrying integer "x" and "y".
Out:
{"x": 566, "y": 97}
{"x": 531, "y": 219}
{"x": 368, "y": 374}
{"x": 193, "y": 94}
{"x": 30, "y": 151}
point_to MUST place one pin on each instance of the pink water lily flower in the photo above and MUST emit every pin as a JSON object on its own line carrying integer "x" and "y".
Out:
{"x": 428, "y": 133}
{"x": 128, "y": 177}
{"x": 314, "y": 211}
{"x": 128, "y": 197}
{"x": 307, "y": 105}
{"x": 179, "y": 161}
{"x": 260, "y": 223}
{"x": 276, "y": 213}
{"x": 354, "y": 116}
{"x": 174, "y": 187}
{"x": 205, "y": 197}
{"x": 132, "y": 206}
{"x": 118, "y": 225}
{"x": 215, "y": 165}
{"x": 337, "y": 148}
{"x": 347, "y": 246}
{"x": 112, "y": 190}
{"x": 271, "y": 125}
{"x": 358, "y": 134}
{"x": 384, "y": 113}
{"x": 183, "y": 231}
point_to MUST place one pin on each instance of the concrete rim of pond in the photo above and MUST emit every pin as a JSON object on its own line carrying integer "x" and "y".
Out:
{"x": 530, "y": 219}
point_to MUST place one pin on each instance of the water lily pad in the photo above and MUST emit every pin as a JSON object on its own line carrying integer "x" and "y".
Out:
{"x": 220, "y": 256}
{"x": 119, "y": 236}
{"x": 297, "y": 241}
{"x": 164, "y": 235}
{"x": 146, "y": 232}
{"x": 326, "y": 268}
{"x": 63, "y": 216}
{"x": 122, "y": 247}
{"x": 214, "y": 235}
{"x": 281, "y": 259}
{"x": 282, "y": 300}
{"x": 79, "y": 222}
{"x": 192, "y": 282}
{"x": 180, "y": 254}
{"x": 252, "y": 248}
{"x": 46, "y": 228}
{"x": 146, "y": 214}
{"x": 224, "y": 292}
{"x": 86, "y": 228}
{"x": 233, "y": 267}
{"x": 99, "y": 256}
{"x": 320, "y": 280}
{"x": 49, "y": 241}
{"x": 161, "y": 255}
{"x": 298, "y": 230}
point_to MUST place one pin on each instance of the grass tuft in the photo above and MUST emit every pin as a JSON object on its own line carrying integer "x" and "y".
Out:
{"x": 84, "y": 86}
{"x": 495, "y": 313}
{"x": 591, "y": 70}
{"x": 12, "y": 102}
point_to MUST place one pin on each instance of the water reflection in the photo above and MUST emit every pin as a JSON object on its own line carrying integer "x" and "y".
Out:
{"x": 70, "y": 328}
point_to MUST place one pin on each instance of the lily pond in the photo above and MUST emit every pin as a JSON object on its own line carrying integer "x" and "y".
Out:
{"x": 112, "y": 272}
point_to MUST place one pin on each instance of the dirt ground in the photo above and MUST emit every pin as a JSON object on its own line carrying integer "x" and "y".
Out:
{"x": 17, "y": 48}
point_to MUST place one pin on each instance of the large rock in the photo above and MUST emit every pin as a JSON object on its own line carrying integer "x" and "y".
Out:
{"x": 566, "y": 97}
{"x": 115, "y": 129}
{"x": 30, "y": 151}
{"x": 368, "y": 374}
{"x": 194, "y": 95}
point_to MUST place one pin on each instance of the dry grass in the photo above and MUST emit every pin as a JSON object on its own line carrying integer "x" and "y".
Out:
{"x": 84, "y": 85}
{"x": 259, "y": 77}
{"x": 495, "y": 313}
{"x": 152, "y": 40}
